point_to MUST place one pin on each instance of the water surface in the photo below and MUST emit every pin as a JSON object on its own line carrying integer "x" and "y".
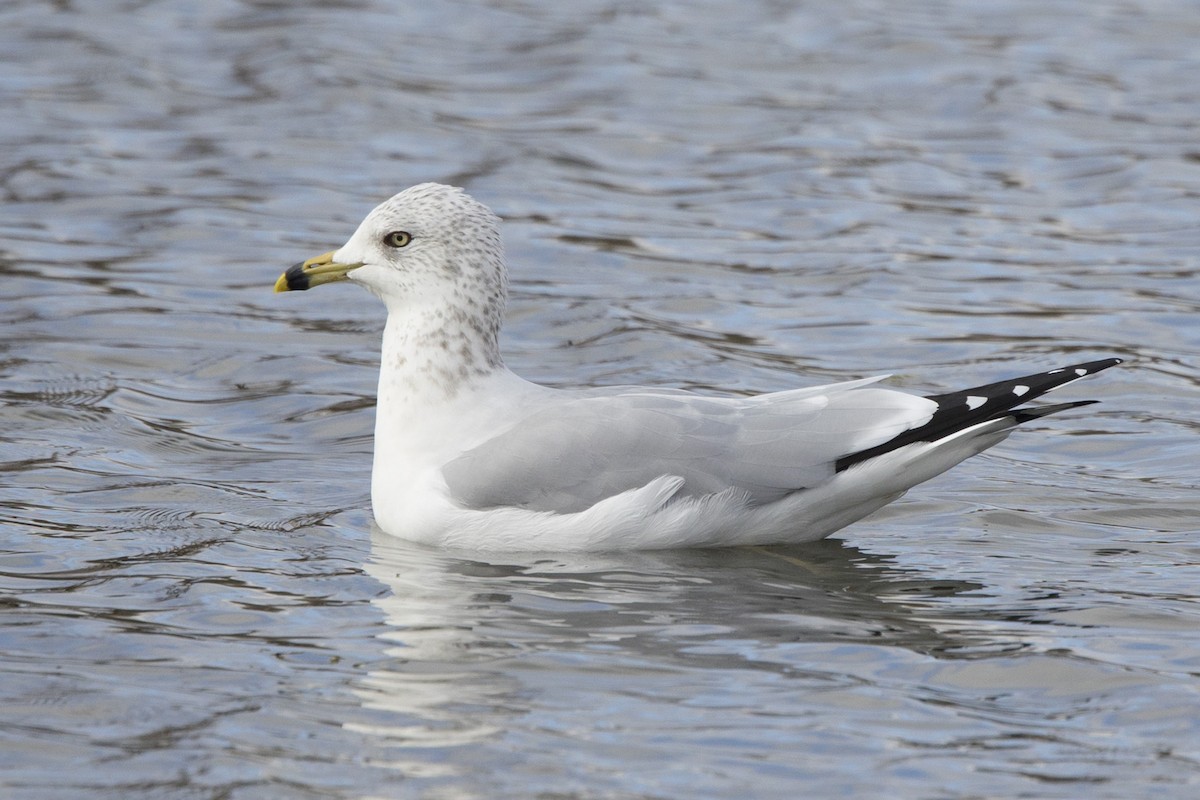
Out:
{"x": 724, "y": 196}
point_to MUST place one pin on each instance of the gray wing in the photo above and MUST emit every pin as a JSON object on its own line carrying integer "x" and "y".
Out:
{"x": 579, "y": 449}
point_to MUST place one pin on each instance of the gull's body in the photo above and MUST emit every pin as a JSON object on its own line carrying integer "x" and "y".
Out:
{"x": 469, "y": 455}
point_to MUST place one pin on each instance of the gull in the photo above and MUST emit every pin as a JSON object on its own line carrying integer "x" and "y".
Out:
{"x": 470, "y": 456}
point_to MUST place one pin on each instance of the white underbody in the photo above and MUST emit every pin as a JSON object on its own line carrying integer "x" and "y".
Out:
{"x": 412, "y": 500}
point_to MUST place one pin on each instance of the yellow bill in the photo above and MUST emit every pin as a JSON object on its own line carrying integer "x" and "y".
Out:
{"x": 313, "y": 272}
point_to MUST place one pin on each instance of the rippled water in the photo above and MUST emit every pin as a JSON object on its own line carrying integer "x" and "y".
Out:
{"x": 737, "y": 196}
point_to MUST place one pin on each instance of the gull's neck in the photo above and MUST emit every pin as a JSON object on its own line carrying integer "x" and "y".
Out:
{"x": 433, "y": 370}
{"x": 431, "y": 355}
{"x": 440, "y": 352}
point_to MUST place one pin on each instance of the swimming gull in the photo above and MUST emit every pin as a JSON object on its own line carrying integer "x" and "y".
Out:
{"x": 469, "y": 455}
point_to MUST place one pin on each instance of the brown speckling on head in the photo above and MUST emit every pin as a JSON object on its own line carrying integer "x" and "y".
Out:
{"x": 446, "y": 290}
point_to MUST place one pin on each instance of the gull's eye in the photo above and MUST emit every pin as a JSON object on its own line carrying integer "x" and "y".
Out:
{"x": 397, "y": 238}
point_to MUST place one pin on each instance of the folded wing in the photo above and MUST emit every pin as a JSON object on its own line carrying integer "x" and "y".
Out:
{"x": 585, "y": 447}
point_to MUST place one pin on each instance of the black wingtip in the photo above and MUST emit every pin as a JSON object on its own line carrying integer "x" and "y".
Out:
{"x": 1086, "y": 368}
{"x": 1026, "y": 414}
{"x": 1003, "y": 395}
{"x": 960, "y": 410}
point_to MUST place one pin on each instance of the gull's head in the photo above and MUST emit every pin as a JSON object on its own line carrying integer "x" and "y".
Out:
{"x": 430, "y": 245}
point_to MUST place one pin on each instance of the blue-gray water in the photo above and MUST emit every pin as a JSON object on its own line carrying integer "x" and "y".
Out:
{"x": 736, "y": 196}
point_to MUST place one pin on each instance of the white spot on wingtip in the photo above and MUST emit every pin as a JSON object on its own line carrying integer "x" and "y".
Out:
{"x": 1081, "y": 372}
{"x": 974, "y": 402}
{"x": 1020, "y": 391}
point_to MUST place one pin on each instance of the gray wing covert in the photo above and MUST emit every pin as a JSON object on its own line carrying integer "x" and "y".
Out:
{"x": 571, "y": 454}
